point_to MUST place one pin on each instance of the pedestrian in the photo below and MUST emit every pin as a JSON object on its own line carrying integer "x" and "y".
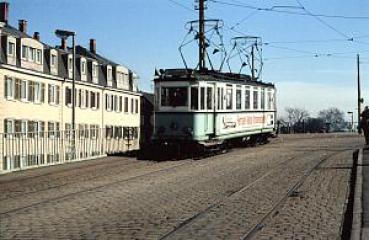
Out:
{"x": 364, "y": 122}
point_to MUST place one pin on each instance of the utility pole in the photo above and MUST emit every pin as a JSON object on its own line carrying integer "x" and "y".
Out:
{"x": 202, "y": 47}
{"x": 252, "y": 63}
{"x": 359, "y": 100}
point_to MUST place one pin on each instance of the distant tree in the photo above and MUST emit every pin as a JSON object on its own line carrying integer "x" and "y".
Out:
{"x": 315, "y": 125}
{"x": 297, "y": 118}
{"x": 333, "y": 118}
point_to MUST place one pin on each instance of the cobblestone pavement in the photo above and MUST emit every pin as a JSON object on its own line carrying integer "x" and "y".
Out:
{"x": 220, "y": 197}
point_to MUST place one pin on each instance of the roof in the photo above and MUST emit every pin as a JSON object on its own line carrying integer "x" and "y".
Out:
{"x": 183, "y": 74}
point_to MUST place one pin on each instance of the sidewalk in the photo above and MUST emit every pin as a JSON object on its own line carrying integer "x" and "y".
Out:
{"x": 360, "y": 226}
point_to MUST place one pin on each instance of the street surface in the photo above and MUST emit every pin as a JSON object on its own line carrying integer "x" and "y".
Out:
{"x": 292, "y": 188}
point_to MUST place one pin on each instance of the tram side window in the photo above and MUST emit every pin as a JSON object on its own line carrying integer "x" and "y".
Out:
{"x": 229, "y": 98}
{"x": 174, "y": 96}
{"x": 262, "y": 99}
{"x": 202, "y": 98}
{"x": 255, "y": 99}
{"x": 247, "y": 99}
{"x": 238, "y": 98}
{"x": 194, "y": 98}
{"x": 209, "y": 98}
{"x": 220, "y": 93}
{"x": 270, "y": 100}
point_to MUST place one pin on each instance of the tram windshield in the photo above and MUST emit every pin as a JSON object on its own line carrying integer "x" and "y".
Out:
{"x": 174, "y": 96}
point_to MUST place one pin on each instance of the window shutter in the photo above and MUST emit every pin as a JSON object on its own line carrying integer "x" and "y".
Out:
{"x": 49, "y": 93}
{"x": 98, "y": 100}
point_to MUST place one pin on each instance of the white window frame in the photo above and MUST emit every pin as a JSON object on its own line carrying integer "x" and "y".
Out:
{"x": 39, "y": 56}
{"x": 11, "y": 48}
{"x": 24, "y": 92}
{"x": 53, "y": 60}
{"x": 25, "y": 52}
{"x": 10, "y": 88}
{"x": 83, "y": 66}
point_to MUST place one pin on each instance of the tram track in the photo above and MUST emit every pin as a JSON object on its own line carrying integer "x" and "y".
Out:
{"x": 249, "y": 185}
{"x": 292, "y": 190}
{"x": 225, "y": 198}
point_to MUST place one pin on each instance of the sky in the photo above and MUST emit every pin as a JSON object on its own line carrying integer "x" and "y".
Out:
{"x": 309, "y": 58}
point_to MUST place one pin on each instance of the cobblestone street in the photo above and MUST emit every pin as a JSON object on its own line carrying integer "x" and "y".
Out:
{"x": 226, "y": 196}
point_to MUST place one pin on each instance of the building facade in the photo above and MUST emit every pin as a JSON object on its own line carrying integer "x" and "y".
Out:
{"x": 36, "y": 101}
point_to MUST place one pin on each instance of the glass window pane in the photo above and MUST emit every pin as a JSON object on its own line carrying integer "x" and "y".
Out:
{"x": 174, "y": 96}
{"x": 194, "y": 98}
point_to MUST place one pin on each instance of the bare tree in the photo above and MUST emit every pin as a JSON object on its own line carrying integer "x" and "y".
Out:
{"x": 296, "y": 115}
{"x": 334, "y": 118}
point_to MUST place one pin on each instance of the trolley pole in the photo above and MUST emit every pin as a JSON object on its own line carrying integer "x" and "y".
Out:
{"x": 359, "y": 100}
{"x": 202, "y": 47}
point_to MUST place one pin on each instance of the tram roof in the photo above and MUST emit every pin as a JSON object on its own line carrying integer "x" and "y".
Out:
{"x": 182, "y": 74}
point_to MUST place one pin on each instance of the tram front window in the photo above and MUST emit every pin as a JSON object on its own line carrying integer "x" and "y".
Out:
{"x": 174, "y": 96}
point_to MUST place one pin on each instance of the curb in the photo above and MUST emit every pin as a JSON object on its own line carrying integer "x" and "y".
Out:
{"x": 356, "y": 230}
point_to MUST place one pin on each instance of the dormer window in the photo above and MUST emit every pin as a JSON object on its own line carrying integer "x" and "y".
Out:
{"x": 110, "y": 74}
{"x": 39, "y": 56}
{"x": 94, "y": 69}
{"x": 83, "y": 67}
{"x": 32, "y": 54}
{"x": 70, "y": 63}
{"x": 53, "y": 59}
{"x": 11, "y": 48}
{"x": 24, "y": 52}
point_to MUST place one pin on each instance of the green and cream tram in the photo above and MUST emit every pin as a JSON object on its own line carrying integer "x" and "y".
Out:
{"x": 209, "y": 108}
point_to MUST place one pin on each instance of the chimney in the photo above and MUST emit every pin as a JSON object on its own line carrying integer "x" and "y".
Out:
{"x": 22, "y": 26}
{"x": 4, "y": 12}
{"x": 36, "y": 36}
{"x": 63, "y": 44}
{"x": 93, "y": 46}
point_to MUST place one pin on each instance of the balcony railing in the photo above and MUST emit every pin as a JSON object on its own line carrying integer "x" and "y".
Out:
{"x": 28, "y": 150}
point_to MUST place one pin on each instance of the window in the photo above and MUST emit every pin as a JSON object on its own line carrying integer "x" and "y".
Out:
{"x": 262, "y": 102}
{"x": 11, "y": 48}
{"x": 17, "y": 126}
{"x": 24, "y": 85}
{"x": 97, "y": 100}
{"x": 8, "y": 126}
{"x": 238, "y": 98}
{"x": 270, "y": 100}
{"x": 247, "y": 98}
{"x": 83, "y": 66}
{"x": 255, "y": 99}
{"x": 70, "y": 63}
{"x": 136, "y": 101}
{"x": 9, "y": 88}
{"x": 110, "y": 74}
{"x": 194, "y": 98}
{"x": 209, "y": 97}
{"x": 53, "y": 60}
{"x": 94, "y": 69}
{"x": 24, "y": 52}
{"x": 39, "y": 56}
{"x": 120, "y": 104}
{"x": 87, "y": 97}
{"x": 202, "y": 98}
{"x": 174, "y": 96}
{"x": 18, "y": 88}
{"x": 24, "y": 127}
{"x": 31, "y": 91}
{"x": 41, "y": 128}
{"x": 51, "y": 129}
{"x": 229, "y": 97}
{"x": 54, "y": 94}
{"x": 32, "y": 54}
{"x": 126, "y": 104}
{"x": 132, "y": 106}
{"x": 93, "y": 99}
{"x": 68, "y": 96}
{"x": 37, "y": 92}
{"x": 220, "y": 93}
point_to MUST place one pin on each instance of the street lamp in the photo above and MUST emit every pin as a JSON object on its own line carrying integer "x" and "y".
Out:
{"x": 352, "y": 120}
{"x": 63, "y": 34}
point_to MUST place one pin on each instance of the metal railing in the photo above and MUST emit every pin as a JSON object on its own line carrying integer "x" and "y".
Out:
{"x": 28, "y": 150}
